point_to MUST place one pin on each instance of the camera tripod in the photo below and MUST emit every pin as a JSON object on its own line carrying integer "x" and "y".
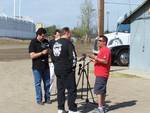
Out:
{"x": 84, "y": 73}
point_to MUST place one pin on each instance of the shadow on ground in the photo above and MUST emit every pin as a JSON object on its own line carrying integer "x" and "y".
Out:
{"x": 122, "y": 105}
{"x": 88, "y": 107}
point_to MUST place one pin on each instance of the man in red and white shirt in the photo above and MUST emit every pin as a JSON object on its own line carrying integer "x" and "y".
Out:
{"x": 101, "y": 70}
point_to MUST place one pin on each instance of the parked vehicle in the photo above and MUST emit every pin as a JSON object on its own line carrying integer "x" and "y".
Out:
{"x": 118, "y": 42}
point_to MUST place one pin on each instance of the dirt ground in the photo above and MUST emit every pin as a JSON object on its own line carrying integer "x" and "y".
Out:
{"x": 126, "y": 94}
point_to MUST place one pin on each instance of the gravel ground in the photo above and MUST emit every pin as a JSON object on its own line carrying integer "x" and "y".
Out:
{"x": 126, "y": 94}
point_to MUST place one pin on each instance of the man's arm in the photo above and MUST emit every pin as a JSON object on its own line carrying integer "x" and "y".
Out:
{"x": 72, "y": 54}
{"x": 34, "y": 55}
{"x": 96, "y": 59}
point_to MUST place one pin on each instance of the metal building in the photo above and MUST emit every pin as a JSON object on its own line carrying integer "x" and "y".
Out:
{"x": 140, "y": 38}
{"x": 16, "y": 28}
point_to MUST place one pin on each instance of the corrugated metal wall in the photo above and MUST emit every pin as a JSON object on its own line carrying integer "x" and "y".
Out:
{"x": 140, "y": 44}
{"x": 16, "y": 28}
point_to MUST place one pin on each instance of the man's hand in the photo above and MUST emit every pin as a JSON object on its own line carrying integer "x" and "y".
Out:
{"x": 34, "y": 55}
{"x": 98, "y": 60}
{"x": 92, "y": 57}
{"x": 44, "y": 52}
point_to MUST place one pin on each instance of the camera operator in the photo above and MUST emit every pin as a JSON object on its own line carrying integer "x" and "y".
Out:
{"x": 64, "y": 59}
{"x": 38, "y": 50}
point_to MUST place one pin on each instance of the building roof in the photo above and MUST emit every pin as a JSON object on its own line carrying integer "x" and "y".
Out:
{"x": 132, "y": 14}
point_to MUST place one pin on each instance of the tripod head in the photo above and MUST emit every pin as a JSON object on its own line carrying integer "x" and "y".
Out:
{"x": 84, "y": 67}
{"x": 80, "y": 67}
{"x": 83, "y": 57}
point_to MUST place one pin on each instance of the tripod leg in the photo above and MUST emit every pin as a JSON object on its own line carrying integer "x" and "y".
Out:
{"x": 82, "y": 85}
{"x": 79, "y": 79}
{"x": 89, "y": 89}
{"x": 81, "y": 75}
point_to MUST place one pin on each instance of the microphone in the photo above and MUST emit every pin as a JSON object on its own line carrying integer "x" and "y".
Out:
{"x": 83, "y": 57}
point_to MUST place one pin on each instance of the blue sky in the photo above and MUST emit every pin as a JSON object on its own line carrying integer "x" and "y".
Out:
{"x": 64, "y": 12}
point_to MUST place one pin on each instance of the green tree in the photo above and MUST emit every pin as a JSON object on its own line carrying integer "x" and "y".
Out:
{"x": 87, "y": 16}
{"x": 50, "y": 30}
{"x": 77, "y": 32}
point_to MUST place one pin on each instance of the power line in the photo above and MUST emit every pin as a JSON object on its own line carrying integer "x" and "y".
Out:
{"x": 117, "y": 3}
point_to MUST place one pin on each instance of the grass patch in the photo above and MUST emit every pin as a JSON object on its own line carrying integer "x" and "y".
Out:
{"x": 123, "y": 75}
{"x": 9, "y": 41}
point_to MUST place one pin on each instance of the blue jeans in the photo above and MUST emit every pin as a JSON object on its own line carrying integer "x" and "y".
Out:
{"x": 40, "y": 75}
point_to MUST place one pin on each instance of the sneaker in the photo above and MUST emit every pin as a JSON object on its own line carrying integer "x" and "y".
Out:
{"x": 40, "y": 103}
{"x": 74, "y": 111}
{"x": 96, "y": 110}
{"x": 106, "y": 109}
{"x": 48, "y": 101}
{"x": 61, "y": 111}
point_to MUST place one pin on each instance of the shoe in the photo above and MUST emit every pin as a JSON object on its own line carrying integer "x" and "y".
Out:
{"x": 61, "y": 111}
{"x": 106, "y": 109}
{"x": 40, "y": 103}
{"x": 96, "y": 110}
{"x": 48, "y": 101}
{"x": 74, "y": 111}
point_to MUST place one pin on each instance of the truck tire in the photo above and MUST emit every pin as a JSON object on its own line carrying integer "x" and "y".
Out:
{"x": 123, "y": 58}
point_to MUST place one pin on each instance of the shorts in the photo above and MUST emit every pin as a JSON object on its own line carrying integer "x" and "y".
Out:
{"x": 100, "y": 85}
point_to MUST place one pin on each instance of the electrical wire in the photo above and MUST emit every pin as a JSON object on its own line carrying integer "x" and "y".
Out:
{"x": 117, "y": 3}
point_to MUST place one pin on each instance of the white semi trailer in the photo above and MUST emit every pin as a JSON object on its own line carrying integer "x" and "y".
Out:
{"x": 118, "y": 42}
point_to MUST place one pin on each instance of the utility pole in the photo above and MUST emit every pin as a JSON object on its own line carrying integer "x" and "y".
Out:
{"x": 107, "y": 21}
{"x": 19, "y": 8}
{"x": 14, "y": 8}
{"x": 101, "y": 17}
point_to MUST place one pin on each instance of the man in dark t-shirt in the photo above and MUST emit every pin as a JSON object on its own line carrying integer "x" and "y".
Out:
{"x": 57, "y": 35}
{"x": 64, "y": 58}
{"x": 38, "y": 50}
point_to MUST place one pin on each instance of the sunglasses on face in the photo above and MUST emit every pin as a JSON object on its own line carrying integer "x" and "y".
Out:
{"x": 101, "y": 40}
